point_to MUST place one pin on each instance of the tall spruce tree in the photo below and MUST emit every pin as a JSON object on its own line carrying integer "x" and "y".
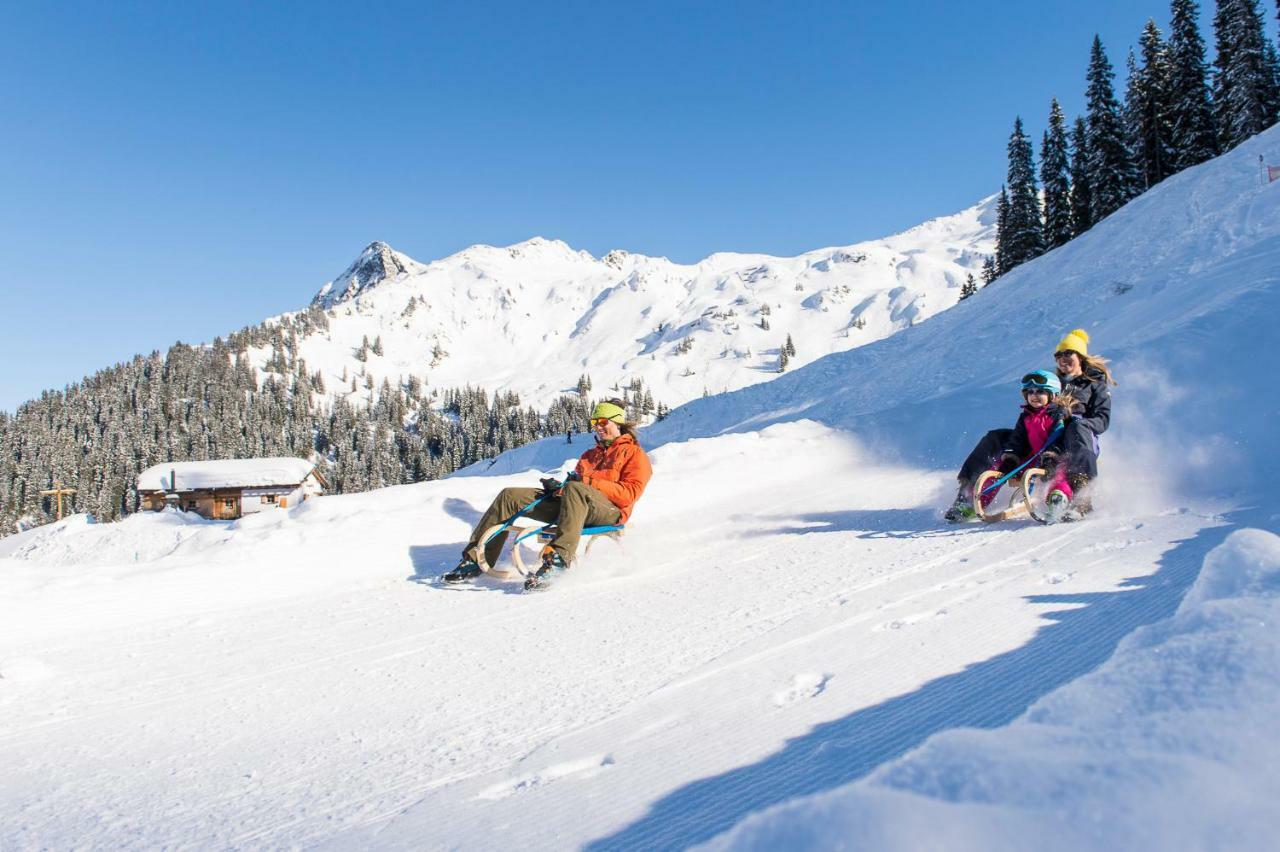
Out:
{"x": 1193, "y": 128}
{"x": 1024, "y": 229}
{"x": 1147, "y": 110}
{"x": 1112, "y": 178}
{"x": 1055, "y": 175}
{"x": 1245, "y": 93}
{"x": 1081, "y": 195}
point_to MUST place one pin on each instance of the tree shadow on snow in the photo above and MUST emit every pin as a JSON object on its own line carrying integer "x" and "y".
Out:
{"x": 984, "y": 695}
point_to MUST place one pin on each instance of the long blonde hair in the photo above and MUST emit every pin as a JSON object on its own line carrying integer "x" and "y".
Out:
{"x": 1096, "y": 363}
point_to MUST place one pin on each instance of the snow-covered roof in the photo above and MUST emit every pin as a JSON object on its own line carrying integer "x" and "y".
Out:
{"x": 226, "y": 473}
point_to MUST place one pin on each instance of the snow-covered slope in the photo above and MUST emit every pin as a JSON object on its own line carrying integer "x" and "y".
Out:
{"x": 786, "y": 617}
{"x": 533, "y": 317}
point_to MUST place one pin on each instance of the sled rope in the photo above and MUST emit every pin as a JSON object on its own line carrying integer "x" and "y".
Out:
{"x": 506, "y": 525}
{"x": 1053, "y": 436}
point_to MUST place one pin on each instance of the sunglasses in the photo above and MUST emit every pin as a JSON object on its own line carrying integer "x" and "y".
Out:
{"x": 1065, "y": 353}
{"x": 1029, "y": 391}
{"x": 596, "y": 421}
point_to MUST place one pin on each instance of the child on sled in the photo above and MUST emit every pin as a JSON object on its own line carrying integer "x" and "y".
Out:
{"x": 1039, "y": 422}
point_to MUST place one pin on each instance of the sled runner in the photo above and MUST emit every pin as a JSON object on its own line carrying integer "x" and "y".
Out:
{"x": 1023, "y": 495}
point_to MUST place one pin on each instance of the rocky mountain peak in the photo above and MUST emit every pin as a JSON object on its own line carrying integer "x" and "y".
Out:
{"x": 377, "y": 263}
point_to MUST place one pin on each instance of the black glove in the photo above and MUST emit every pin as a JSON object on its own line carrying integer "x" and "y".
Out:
{"x": 551, "y": 487}
{"x": 1009, "y": 462}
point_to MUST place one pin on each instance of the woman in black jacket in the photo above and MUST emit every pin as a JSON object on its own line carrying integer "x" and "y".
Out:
{"x": 1085, "y": 384}
{"x": 1086, "y": 381}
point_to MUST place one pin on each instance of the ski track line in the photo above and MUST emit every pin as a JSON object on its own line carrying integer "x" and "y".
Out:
{"x": 858, "y": 618}
{"x": 498, "y": 617}
{"x": 411, "y": 792}
{"x": 592, "y": 590}
{"x": 226, "y": 685}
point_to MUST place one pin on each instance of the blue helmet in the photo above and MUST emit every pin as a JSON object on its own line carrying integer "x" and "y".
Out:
{"x": 1042, "y": 380}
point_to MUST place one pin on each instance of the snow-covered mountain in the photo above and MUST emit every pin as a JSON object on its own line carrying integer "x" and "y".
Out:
{"x": 788, "y": 650}
{"x": 535, "y": 316}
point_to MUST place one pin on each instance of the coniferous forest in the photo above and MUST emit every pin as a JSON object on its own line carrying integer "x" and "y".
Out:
{"x": 208, "y": 402}
{"x": 1178, "y": 111}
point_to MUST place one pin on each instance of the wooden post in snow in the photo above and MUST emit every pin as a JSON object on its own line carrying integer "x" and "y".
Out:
{"x": 58, "y": 491}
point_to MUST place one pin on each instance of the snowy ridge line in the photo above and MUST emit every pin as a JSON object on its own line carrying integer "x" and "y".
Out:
{"x": 533, "y": 317}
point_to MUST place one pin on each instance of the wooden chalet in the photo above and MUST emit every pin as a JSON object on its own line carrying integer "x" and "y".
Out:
{"x": 229, "y": 488}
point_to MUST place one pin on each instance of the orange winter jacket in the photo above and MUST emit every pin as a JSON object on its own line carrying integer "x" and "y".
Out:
{"x": 619, "y": 471}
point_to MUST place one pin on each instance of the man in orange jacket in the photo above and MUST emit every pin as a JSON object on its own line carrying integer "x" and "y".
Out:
{"x": 603, "y": 488}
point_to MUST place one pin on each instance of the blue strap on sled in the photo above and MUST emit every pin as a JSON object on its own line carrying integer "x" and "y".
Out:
{"x": 601, "y": 530}
{"x": 1053, "y": 436}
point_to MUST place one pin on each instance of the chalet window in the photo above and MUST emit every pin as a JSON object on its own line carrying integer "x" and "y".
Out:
{"x": 191, "y": 505}
{"x": 229, "y": 504}
{"x": 269, "y": 498}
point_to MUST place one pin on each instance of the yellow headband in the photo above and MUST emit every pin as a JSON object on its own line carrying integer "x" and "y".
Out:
{"x": 609, "y": 411}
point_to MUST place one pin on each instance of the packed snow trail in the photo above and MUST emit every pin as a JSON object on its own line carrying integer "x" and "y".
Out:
{"x": 349, "y": 698}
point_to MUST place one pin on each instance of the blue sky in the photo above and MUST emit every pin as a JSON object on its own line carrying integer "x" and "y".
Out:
{"x": 178, "y": 171}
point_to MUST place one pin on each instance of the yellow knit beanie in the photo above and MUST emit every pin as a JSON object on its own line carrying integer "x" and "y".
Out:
{"x": 1077, "y": 341}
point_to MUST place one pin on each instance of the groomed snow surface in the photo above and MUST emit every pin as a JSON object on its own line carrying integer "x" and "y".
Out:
{"x": 788, "y": 650}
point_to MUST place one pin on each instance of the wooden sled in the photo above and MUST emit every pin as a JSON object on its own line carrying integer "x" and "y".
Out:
{"x": 534, "y": 536}
{"x": 1023, "y": 495}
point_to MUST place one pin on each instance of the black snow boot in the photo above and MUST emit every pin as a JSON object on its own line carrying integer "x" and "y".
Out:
{"x": 467, "y": 569}
{"x": 552, "y": 565}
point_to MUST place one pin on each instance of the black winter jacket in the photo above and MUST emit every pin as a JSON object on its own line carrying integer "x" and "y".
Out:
{"x": 1092, "y": 408}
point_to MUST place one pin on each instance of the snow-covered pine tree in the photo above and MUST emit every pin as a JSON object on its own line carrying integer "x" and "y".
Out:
{"x": 1193, "y": 129}
{"x": 1024, "y": 229}
{"x": 377, "y": 345}
{"x": 1245, "y": 94}
{"x": 1147, "y": 109}
{"x": 1002, "y": 231}
{"x": 1112, "y": 178}
{"x": 969, "y": 287}
{"x": 1055, "y": 176}
{"x": 1081, "y": 194}
{"x": 783, "y": 358}
{"x": 989, "y": 273}
{"x": 790, "y": 347}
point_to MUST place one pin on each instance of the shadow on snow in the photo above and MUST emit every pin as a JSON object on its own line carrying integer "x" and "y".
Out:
{"x": 984, "y": 695}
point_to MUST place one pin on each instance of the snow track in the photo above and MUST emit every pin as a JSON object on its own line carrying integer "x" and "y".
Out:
{"x": 387, "y": 710}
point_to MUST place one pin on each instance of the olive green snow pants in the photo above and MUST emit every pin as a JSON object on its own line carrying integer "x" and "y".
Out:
{"x": 579, "y": 506}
